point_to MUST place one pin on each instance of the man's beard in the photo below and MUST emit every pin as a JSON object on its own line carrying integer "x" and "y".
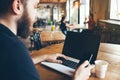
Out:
{"x": 23, "y": 28}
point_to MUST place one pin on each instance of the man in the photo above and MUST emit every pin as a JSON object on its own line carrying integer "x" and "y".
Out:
{"x": 64, "y": 25}
{"x": 16, "y": 16}
{"x": 91, "y": 22}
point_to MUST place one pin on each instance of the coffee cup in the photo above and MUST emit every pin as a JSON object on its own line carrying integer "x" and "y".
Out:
{"x": 101, "y": 68}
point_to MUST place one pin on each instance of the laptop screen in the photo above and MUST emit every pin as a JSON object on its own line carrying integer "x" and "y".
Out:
{"x": 81, "y": 45}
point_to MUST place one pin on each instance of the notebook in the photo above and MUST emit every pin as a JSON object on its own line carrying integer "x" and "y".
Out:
{"x": 79, "y": 46}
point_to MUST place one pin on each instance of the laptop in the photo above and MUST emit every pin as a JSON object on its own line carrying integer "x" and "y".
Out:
{"x": 79, "y": 46}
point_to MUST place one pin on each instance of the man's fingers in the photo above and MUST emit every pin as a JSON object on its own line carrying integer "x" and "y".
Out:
{"x": 90, "y": 67}
{"x": 85, "y": 64}
{"x": 61, "y": 55}
{"x": 57, "y": 61}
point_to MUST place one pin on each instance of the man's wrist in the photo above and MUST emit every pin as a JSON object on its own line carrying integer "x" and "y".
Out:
{"x": 45, "y": 57}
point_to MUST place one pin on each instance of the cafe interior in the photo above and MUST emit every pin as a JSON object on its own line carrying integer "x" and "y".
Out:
{"x": 47, "y": 37}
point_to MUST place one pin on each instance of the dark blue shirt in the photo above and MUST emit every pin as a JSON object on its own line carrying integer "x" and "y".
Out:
{"x": 15, "y": 61}
{"x": 63, "y": 26}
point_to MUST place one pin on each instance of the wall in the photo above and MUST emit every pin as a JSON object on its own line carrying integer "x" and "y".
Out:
{"x": 44, "y": 12}
{"x": 101, "y": 10}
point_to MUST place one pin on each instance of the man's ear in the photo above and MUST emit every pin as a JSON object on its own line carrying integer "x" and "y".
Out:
{"x": 17, "y": 6}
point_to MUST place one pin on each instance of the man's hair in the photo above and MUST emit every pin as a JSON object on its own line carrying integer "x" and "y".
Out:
{"x": 91, "y": 14}
{"x": 5, "y": 5}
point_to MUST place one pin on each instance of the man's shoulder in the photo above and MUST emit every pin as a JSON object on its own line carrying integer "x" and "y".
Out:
{"x": 6, "y": 39}
{"x": 10, "y": 43}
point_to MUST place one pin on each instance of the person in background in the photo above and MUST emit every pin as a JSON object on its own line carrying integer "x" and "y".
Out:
{"x": 91, "y": 22}
{"x": 64, "y": 25}
{"x": 16, "y": 18}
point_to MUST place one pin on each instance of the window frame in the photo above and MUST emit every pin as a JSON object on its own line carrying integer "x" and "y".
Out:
{"x": 111, "y": 10}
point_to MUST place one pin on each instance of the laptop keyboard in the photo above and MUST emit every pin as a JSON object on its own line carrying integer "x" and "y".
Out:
{"x": 68, "y": 63}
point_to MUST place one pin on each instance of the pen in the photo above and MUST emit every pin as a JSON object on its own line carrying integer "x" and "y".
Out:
{"x": 89, "y": 60}
{"x": 90, "y": 57}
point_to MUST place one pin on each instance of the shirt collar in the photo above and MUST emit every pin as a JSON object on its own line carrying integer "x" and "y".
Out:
{"x": 6, "y": 30}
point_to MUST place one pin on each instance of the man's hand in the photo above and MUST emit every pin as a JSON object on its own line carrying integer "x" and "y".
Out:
{"x": 83, "y": 71}
{"x": 53, "y": 57}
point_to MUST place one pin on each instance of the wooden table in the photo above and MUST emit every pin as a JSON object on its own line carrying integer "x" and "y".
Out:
{"x": 38, "y": 29}
{"x": 52, "y": 36}
{"x": 113, "y": 72}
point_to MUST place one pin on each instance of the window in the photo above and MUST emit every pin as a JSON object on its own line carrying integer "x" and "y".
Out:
{"x": 115, "y": 9}
{"x": 84, "y": 11}
{"x": 55, "y": 13}
{"x": 72, "y": 15}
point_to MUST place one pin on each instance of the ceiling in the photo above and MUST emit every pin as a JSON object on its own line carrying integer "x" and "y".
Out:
{"x": 52, "y": 1}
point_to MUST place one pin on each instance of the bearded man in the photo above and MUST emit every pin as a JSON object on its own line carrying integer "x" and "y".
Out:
{"x": 16, "y": 17}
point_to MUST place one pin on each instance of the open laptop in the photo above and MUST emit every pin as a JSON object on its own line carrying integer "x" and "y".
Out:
{"x": 79, "y": 46}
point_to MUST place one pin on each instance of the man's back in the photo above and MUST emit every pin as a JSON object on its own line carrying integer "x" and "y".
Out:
{"x": 15, "y": 62}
